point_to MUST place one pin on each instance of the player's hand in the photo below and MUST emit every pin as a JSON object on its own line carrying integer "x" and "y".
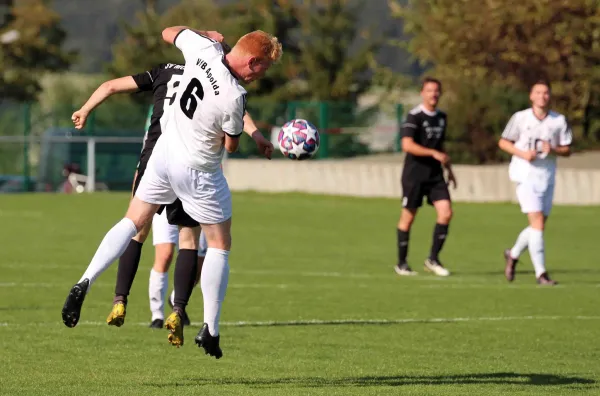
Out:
{"x": 530, "y": 155}
{"x": 215, "y": 35}
{"x": 79, "y": 118}
{"x": 443, "y": 158}
{"x": 452, "y": 180}
{"x": 265, "y": 147}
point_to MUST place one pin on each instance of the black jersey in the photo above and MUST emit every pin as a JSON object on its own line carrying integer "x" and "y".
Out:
{"x": 427, "y": 129}
{"x": 163, "y": 80}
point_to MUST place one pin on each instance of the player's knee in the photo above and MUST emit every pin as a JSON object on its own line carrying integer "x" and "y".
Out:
{"x": 406, "y": 219}
{"x": 222, "y": 242}
{"x": 142, "y": 235}
{"x": 445, "y": 215}
{"x": 536, "y": 221}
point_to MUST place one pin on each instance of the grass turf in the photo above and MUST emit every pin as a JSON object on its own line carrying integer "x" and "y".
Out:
{"x": 298, "y": 259}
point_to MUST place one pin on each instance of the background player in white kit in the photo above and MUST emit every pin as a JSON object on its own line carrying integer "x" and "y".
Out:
{"x": 534, "y": 137}
{"x": 186, "y": 164}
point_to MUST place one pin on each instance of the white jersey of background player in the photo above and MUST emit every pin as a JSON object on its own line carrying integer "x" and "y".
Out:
{"x": 534, "y": 137}
{"x": 185, "y": 164}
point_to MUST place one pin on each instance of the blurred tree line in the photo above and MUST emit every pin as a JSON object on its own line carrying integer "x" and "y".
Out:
{"x": 487, "y": 53}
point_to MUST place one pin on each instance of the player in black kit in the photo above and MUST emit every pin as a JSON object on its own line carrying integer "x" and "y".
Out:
{"x": 423, "y": 134}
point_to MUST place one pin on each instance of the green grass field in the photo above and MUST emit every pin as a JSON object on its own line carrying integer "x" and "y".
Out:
{"x": 299, "y": 259}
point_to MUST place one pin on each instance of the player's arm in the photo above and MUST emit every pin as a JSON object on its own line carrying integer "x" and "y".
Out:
{"x": 105, "y": 90}
{"x": 563, "y": 151}
{"x": 170, "y": 34}
{"x": 409, "y": 128}
{"x": 265, "y": 147}
{"x": 233, "y": 123}
{"x": 565, "y": 139}
{"x": 509, "y": 147}
{"x": 508, "y": 139}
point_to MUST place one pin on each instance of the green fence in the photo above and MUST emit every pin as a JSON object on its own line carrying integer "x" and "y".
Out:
{"x": 33, "y": 149}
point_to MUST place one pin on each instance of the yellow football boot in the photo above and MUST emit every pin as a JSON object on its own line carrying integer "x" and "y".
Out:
{"x": 175, "y": 327}
{"x": 117, "y": 315}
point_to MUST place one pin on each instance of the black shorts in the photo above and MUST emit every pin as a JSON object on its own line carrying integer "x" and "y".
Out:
{"x": 177, "y": 216}
{"x": 413, "y": 192}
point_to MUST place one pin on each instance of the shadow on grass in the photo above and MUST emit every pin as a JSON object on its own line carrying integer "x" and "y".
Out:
{"x": 368, "y": 381}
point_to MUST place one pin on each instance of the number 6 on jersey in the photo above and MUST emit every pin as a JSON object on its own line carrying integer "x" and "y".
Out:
{"x": 188, "y": 100}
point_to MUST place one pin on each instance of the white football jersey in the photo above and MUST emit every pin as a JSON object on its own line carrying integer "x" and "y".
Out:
{"x": 528, "y": 132}
{"x": 209, "y": 104}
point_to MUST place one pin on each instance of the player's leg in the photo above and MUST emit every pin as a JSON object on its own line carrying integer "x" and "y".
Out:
{"x": 155, "y": 182}
{"x": 130, "y": 259}
{"x": 535, "y": 204}
{"x": 112, "y": 246}
{"x": 511, "y": 256}
{"x": 202, "y": 246}
{"x": 154, "y": 191}
{"x": 206, "y": 199}
{"x": 439, "y": 197}
{"x": 213, "y": 281}
{"x": 164, "y": 238}
{"x": 412, "y": 199}
{"x": 176, "y": 215}
{"x": 184, "y": 279}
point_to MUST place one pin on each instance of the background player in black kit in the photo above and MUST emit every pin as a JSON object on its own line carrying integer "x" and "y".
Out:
{"x": 423, "y": 135}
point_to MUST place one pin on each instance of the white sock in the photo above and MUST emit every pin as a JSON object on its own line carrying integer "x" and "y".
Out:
{"x": 172, "y": 297}
{"x": 213, "y": 280}
{"x": 157, "y": 291}
{"x": 521, "y": 243}
{"x": 111, "y": 248}
{"x": 536, "y": 251}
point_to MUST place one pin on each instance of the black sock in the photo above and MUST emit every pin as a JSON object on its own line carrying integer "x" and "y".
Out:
{"x": 440, "y": 232}
{"x": 128, "y": 265}
{"x": 402, "y": 246}
{"x": 186, "y": 267}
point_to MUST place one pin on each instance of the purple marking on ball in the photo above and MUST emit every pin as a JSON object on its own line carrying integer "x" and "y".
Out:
{"x": 286, "y": 143}
{"x": 299, "y": 137}
{"x": 300, "y": 124}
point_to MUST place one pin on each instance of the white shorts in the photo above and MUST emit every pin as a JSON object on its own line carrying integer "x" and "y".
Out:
{"x": 205, "y": 196}
{"x": 162, "y": 231}
{"x": 535, "y": 199}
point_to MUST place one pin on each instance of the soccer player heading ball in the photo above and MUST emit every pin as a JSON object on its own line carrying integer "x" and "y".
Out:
{"x": 186, "y": 164}
{"x": 534, "y": 137}
{"x": 423, "y": 135}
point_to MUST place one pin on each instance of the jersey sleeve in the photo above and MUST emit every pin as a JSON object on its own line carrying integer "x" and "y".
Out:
{"x": 145, "y": 81}
{"x": 511, "y": 132}
{"x": 565, "y": 136}
{"x": 190, "y": 42}
{"x": 233, "y": 118}
{"x": 410, "y": 126}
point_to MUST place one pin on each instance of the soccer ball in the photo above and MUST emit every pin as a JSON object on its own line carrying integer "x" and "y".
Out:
{"x": 298, "y": 139}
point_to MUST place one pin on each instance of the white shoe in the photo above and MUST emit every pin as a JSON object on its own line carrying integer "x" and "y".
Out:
{"x": 436, "y": 268}
{"x": 404, "y": 270}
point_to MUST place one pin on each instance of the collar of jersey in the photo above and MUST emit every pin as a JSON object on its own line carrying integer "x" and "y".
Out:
{"x": 536, "y": 117}
{"x": 429, "y": 113}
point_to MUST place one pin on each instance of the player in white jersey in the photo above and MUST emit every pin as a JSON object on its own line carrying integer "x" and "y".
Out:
{"x": 185, "y": 165}
{"x": 534, "y": 137}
